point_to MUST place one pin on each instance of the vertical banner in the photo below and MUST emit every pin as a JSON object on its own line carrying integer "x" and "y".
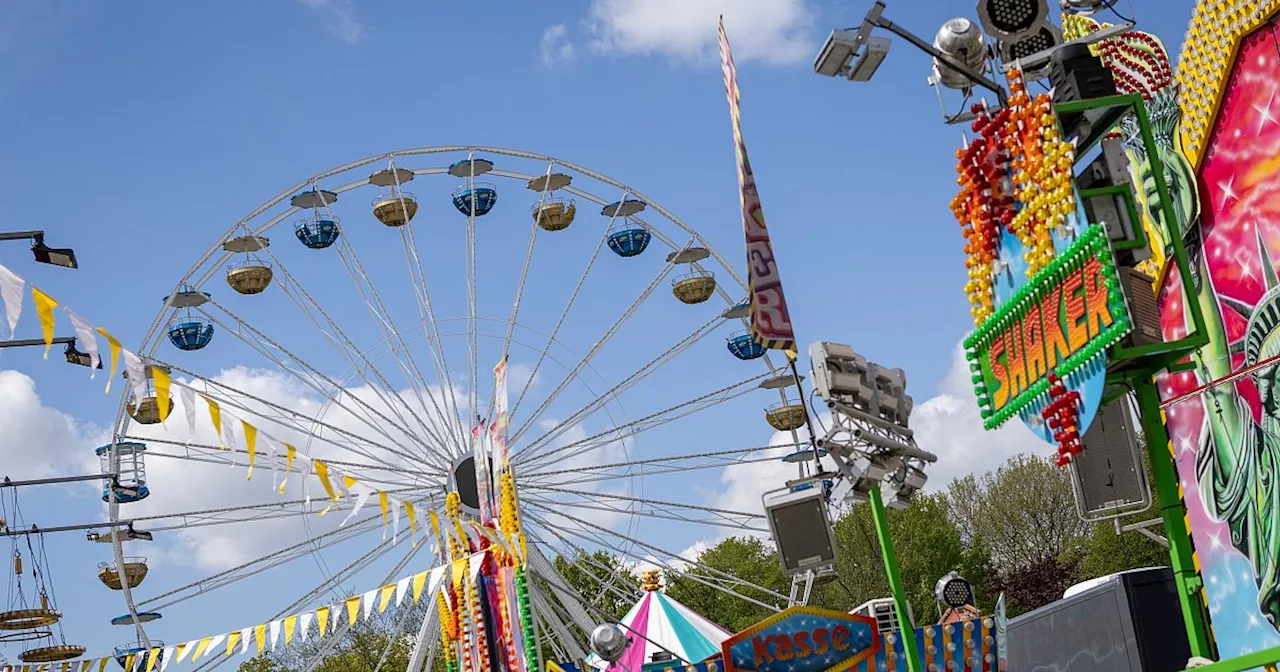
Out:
{"x": 770, "y": 319}
{"x": 498, "y": 431}
{"x": 480, "y": 453}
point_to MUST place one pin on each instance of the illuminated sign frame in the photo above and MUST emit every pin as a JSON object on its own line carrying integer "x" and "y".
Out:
{"x": 802, "y": 629}
{"x": 1012, "y": 353}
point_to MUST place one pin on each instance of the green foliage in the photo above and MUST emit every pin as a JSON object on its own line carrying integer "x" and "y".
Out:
{"x": 745, "y": 558}
{"x": 602, "y": 578}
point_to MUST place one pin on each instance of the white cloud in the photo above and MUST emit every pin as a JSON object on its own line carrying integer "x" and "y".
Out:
{"x": 39, "y": 441}
{"x": 340, "y": 16}
{"x": 555, "y": 47}
{"x": 773, "y": 31}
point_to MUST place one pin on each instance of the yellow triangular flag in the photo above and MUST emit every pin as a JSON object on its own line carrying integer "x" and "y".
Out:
{"x": 413, "y": 525}
{"x": 385, "y": 597}
{"x": 215, "y": 415}
{"x": 44, "y": 308}
{"x": 386, "y": 508}
{"x": 290, "y": 622}
{"x": 353, "y": 609}
{"x": 151, "y": 659}
{"x": 348, "y": 482}
{"x": 200, "y": 648}
{"x": 260, "y": 636}
{"x": 435, "y": 528}
{"x": 128, "y": 662}
{"x": 322, "y": 473}
{"x": 84, "y": 667}
{"x": 233, "y": 638}
{"x": 160, "y": 378}
{"x": 250, "y": 441}
{"x": 115, "y": 355}
{"x": 103, "y": 665}
{"x": 419, "y": 580}
{"x": 290, "y": 452}
{"x": 322, "y": 619}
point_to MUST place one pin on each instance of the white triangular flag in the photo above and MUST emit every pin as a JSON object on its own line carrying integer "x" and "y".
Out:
{"x": 395, "y": 519}
{"x": 246, "y": 636}
{"x": 188, "y": 397}
{"x": 402, "y": 587}
{"x": 166, "y": 657}
{"x": 368, "y": 599}
{"x": 87, "y": 339}
{"x": 186, "y": 648}
{"x": 361, "y": 492}
{"x": 11, "y": 290}
{"x": 228, "y": 434}
{"x": 214, "y": 649}
{"x": 275, "y": 468}
{"x": 136, "y": 373}
{"x": 275, "y": 633}
{"x": 304, "y": 624}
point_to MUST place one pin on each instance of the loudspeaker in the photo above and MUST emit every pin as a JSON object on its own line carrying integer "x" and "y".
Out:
{"x": 801, "y": 530}
{"x": 1109, "y": 476}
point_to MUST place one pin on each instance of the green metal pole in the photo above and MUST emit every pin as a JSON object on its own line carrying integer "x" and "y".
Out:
{"x": 1164, "y": 474}
{"x": 908, "y": 631}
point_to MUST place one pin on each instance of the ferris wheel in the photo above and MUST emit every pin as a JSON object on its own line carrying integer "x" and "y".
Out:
{"x": 357, "y": 316}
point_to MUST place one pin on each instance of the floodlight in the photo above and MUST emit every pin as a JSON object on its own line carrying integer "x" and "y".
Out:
{"x": 54, "y": 256}
{"x": 74, "y": 356}
{"x": 961, "y": 40}
{"x": 609, "y": 642}
{"x": 837, "y": 53}
{"x": 800, "y": 528}
{"x": 1011, "y": 19}
{"x": 903, "y": 486}
{"x": 953, "y": 591}
{"x": 864, "y": 473}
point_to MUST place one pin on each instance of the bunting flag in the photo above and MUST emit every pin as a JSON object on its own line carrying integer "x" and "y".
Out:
{"x": 115, "y": 355}
{"x": 250, "y": 442}
{"x": 770, "y": 318}
{"x": 290, "y": 622}
{"x": 322, "y": 620}
{"x": 413, "y": 523}
{"x": 160, "y": 378}
{"x": 136, "y": 373}
{"x": 215, "y": 416}
{"x": 322, "y": 472}
{"x": 188, "y": 397}
{"x": 361, "y": 492}
{"x": 290, "y": 453}
{"x": 44, "y": 310}
{"x": 395, "y": 519}
{"x": 11, "y": 288}
{"x": 87, "y": 339}
{"x": 304, "y": 625}
{"x": 386, "y": 509}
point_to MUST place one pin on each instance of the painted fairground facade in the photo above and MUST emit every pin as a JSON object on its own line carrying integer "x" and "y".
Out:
{"x": 1219, "y": 138}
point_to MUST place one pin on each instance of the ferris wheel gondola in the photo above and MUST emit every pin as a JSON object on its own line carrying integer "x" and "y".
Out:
{"x": 387, "y": 388}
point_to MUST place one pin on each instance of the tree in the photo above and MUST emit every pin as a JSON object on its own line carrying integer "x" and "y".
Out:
{"x": 746, "y": 561}
{"x": 602, "y": 578}
{"x": 927, "y": 545}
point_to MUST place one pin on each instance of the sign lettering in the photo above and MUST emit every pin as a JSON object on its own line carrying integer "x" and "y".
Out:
{"x": 802, "y": 639}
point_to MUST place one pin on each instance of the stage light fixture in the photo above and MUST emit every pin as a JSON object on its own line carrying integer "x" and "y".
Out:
{"x": 609, "y": 642}
{"x": 961, "y": 40}
{"x": 953, "y": 591}
{"x": 1010, "y": 19}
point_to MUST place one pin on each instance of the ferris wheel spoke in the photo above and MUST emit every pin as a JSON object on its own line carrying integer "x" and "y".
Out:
{"x": 663, "y": 553}
{"x": 382, "y": 317}
{"x": 573, "y": 297}
{"x": 718, "y": 459}
{"x": 634, "y": 427}
{"x": 656, "y": 505}
{"x": 355, "y": 358}
{"x": 579, "y": 557}
{"x": 290, "y": 418}
{"x": 213, "y": 454}
{"x": 648, "y": 512}
{"x": 324, "y": 386}
{"x": 595, "y": 349}
{"x": 263, "y": 563}
{"x": 451, "y": 414}
{"x": 617, "y": 390}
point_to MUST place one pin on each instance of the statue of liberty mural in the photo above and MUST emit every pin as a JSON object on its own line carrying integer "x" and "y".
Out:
{"x": 1238, "y": 462}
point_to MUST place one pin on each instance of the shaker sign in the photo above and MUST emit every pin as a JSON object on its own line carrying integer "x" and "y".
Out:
{"x": 802, "y": 639}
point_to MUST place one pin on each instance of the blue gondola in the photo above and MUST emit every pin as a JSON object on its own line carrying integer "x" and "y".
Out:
{"x": 130, "y": 482}
{"x": 482, "y": 197}
{"x": 143, "y": 616}
{"x": 628, "y": 239}
{"x": 317, "y": 233}
{"x": 744, "y": 346}
{"x": 190, "y": 332}
{"x": 139, "y": 652}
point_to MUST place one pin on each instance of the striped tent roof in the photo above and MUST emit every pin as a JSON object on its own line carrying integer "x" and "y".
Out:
{"x": 666, "y": 624}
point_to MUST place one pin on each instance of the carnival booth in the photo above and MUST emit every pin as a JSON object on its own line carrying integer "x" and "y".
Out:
{"x": 664, "y": 633}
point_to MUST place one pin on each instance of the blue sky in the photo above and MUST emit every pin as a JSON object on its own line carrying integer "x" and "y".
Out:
{"x": 139, "y": 132}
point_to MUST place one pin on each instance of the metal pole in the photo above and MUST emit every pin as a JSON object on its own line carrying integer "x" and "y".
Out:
{"x": 975, "y": 77}
{"x": 908, "y": 630}
{"x": 1181, "y": 557}
{"x": 21, "y": 235}
{"x": 35, "y": 342}
{"x": 6, "y": 483}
